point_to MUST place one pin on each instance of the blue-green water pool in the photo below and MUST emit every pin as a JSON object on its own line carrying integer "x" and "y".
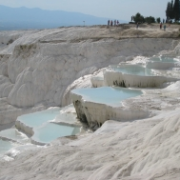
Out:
{"x": 107, "y": 95}
{"x": 51, "y": 131}
{"x": 132, "y": 69}
{"x": 38, "y": 118}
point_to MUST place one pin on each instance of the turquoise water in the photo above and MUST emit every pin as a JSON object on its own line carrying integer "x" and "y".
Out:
{"x": 132, "y": 69}
{"x": 44, "y": 131}
{"x": 51, "y": 131}
{"x": 13, "y": 134}
{"x": 5, "y": 146}
{"x": 38, "y": 118}
{"x": 66, "y": 117}
{"x": 163, "y": 59}
{"x": 107, "y": 95}
{"x": 98, "y": 78}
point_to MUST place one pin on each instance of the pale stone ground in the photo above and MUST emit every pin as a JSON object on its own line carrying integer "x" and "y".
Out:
{"x": 38, "y": 70}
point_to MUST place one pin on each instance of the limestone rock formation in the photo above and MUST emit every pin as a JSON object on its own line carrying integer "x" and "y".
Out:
{"x": 38, "y": 67}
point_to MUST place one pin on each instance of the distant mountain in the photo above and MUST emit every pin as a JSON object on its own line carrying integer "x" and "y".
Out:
{"x": 25, "y": 18}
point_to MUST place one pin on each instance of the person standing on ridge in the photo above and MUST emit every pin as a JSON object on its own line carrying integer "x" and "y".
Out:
{"x": 164, "y": 27}
{"x": 137, "y": 25}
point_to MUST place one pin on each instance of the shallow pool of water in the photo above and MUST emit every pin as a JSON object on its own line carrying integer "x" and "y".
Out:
{"x": 107, "y": 95}
{"x": 13, "y": 134}
{"x": 132, "y": 69}
{"x": 38, "y": 118}
{"x": 5, "y": 146}
{"x": 51, "y": 131}
{"x": 99, "y": 78}
{"x": 164, "y": 59}
{"x": 66, "y": 117}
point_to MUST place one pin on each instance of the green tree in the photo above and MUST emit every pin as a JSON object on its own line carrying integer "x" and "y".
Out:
{"x": 158, "y": 20}
{"x": 138, "y": 18}
{"x": 167, "y": 11}
{"x": 176, "y": 10}
{"x": 150, "y": 20}
{"x": 170, "y": 10}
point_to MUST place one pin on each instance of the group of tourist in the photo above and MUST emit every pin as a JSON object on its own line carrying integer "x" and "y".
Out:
{"x": 162, "y": 26}
{"x": 116, "y": 23}
{"x": 113, "y": 23}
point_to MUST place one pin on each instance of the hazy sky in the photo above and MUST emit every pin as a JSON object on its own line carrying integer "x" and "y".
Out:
{"x": 119, "y": 9}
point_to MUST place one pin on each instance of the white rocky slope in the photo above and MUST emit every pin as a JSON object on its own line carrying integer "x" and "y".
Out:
{"x": 42, "y": 74}
{"x": 37, "y": 68}
{"x": 144, "y": 149}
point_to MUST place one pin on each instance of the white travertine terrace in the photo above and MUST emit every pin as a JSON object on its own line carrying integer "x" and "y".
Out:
{"x": 39, "y": 74}
{"x": 132, "y": 80}
{"x": 127, "y": 75}
{"x": 160, "y": 65}
{"x": 32, "y": 123}
{"x": 97, "y": 81}
{"x": 38, "y": 69}
{"x": 93, "y": 113}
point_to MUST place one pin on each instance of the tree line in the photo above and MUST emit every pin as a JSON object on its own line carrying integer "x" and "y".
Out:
{"x": 172, "y": 10}
{"x": 138, "y": 18}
